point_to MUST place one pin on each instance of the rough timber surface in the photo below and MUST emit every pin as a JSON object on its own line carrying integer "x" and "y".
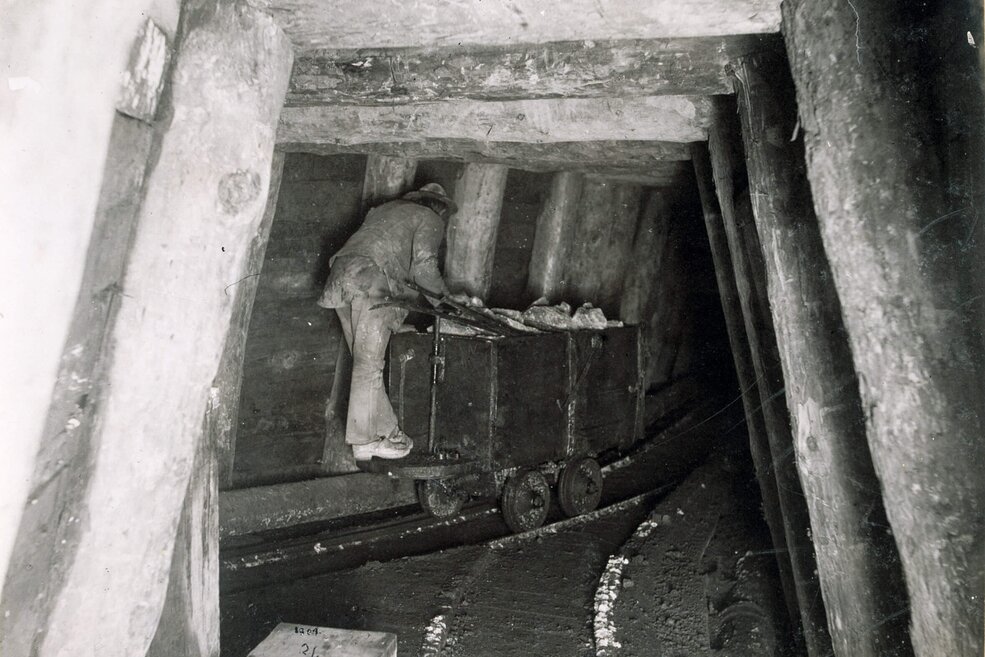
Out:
{"x": 658, "y": 118}
{"x": 535, "y": 156}
{"x": 858, "y": 564}
{"x": 314, "y": 24}
{"x": 907, "y": 266}
{"x": 206, "y": 190}
{"x": 576, "y": 69}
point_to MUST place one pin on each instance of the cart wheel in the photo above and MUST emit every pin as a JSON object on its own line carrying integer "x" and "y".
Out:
{"x": 579, "y": 487}
{"x": 526, "y": 499}
{"x": 440, "y": 497}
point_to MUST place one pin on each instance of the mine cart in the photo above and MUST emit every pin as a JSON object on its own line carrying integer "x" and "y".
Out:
{"x": 511, "y": 416}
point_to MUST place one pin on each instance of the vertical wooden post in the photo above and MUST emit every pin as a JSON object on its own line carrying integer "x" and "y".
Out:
{"x": 898, "y": 208}
{"x": 555, "y": 232}
{"x": 649, "y": 248}
{"x": 386, "y": 179}
{"x": 858, "y": 564}
{"x": 229, "y": 380}
{"x": 472, "y": 230}
{"x": 190, "y": 618}
{"x": 671, "y": 309}
{"x": 747, "y": 259}
{"x": 616, "y": 253}
{"x": 205, "y": 200}
{"x": 592, "y": 225}
{"x": 745, "y": 373}
{"x": 189, "y": 623}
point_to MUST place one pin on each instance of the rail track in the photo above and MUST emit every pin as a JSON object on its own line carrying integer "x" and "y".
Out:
{"x": 648, "y": 470}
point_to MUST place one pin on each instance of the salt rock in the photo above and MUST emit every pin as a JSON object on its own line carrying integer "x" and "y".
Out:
{"x": 548, "y": 317}
{"x": 589, "y": 317}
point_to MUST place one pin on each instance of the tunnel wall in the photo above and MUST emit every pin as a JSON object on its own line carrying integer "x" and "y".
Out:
{"x": 292, "y": 342}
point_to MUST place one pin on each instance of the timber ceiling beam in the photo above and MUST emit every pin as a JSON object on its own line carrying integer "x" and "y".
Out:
{"x": 574, "y": 69}
{"x": 336, "y": 24}
{"x": 633, "y": 155}
{"x": 670, "y": 174}
{"x": 657, "y": 118}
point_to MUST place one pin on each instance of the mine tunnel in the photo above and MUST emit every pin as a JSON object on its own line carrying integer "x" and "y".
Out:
{"x": 705, "y": 377}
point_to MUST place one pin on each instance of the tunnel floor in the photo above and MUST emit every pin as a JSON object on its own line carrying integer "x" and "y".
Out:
{"x": 683, "y": 568}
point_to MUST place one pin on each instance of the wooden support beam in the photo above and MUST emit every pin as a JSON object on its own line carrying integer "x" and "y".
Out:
{"x": 616, "y": 253}
{"x": 725, "y": 144}
{"x": 58, "y": 115}
{"x": 189, "y": 623}
{"x": 576, "y": 69}
{"x": 745, "y": 373}
{"x": 658, "y": 118}
{"x": 529, "y": 156}
{"x": 897, "y": 183}
{"x": 262, "y": 508}
{"x": 472, "y": 230}
{"x": 229, "y": 380}
{"x": 553, "y": 238}
{"x": 671, "y": 308}
{"x": 859, "y": 568}
{"x": 314, "y": 24}
{"x": 647, "y": 261}
{"x": 386, "y": 178}
{"x": 591, "y": 230}
{"x": 669, "y": 174}
{"x": 58, "y": 486}
{"x": 205, "y": 199}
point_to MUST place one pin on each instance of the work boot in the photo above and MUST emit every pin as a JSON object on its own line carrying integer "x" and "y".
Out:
{"x": 395, "y": 446}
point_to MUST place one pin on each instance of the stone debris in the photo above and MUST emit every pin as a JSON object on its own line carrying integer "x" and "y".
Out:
{"x": 605, "y": 600}
{"x": 611, "y": 582}
{"x": 589, "y": 317}
{"x": 540, "y": 316}
{"x": 434, "y": 636}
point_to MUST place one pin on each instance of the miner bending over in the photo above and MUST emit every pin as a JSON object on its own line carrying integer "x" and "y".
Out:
{"x": 398, "y": 242}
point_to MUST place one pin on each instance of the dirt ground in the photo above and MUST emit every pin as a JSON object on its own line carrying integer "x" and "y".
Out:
{"x": 701, "y": 582}
{"x": 684, "y": 569}
{"x": 704, "y": 581}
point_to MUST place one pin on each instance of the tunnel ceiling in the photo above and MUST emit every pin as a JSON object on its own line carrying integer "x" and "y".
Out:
{"x": 532, "y": 84}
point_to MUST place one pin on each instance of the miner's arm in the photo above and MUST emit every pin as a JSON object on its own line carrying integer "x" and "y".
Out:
{"x": 424, "y": 262}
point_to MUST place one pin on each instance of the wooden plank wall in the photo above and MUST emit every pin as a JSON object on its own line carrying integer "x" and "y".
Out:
{"x": 292, "y": 342}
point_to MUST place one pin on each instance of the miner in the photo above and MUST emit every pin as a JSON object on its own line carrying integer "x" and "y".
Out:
{"x": 398, "y": 242}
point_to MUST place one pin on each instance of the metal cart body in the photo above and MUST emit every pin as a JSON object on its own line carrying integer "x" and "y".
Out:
{"x": 503, "y": 405}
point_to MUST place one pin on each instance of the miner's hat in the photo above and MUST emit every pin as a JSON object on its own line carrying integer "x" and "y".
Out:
{"x": 435, "y": 191}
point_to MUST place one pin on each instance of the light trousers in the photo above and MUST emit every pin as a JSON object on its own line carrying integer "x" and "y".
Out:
{"x": 367, "y": 332}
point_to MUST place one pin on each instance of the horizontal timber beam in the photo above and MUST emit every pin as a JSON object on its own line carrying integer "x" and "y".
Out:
{"x": 262, "y": 508}
{"x": 639, "y": 155}
{"x": 314, "y": 24}
{"x": 660, "y": 118}
{"x": 574, "y": 69}
{"x": 669, "y": 174}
